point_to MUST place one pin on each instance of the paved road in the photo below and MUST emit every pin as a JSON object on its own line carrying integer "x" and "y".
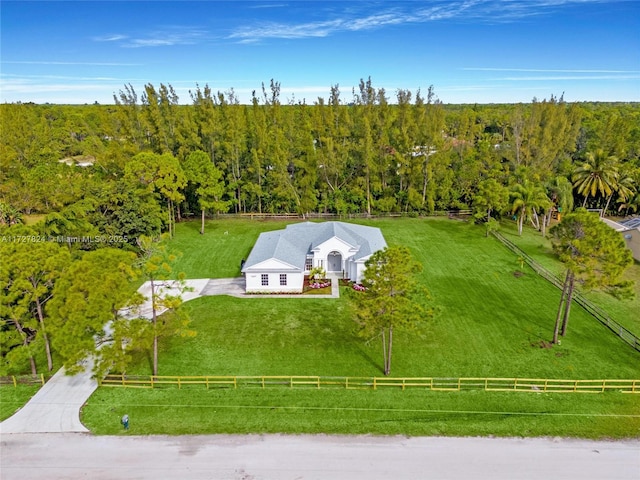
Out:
{"x": 282, "y": 457}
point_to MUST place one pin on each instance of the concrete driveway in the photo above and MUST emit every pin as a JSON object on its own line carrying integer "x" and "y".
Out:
{"x": 55, "y": 407}
{"x": 287, "y": 457}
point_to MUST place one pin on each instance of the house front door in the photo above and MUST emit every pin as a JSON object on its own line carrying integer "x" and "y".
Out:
{"x": 334, "y": 262}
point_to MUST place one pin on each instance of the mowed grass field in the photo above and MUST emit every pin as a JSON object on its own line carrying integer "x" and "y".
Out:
{"x": 489, "y": 323}
{"x": 627, "y": 313}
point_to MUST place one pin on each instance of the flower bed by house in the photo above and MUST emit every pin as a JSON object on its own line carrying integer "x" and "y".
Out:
{"x": 317, "y": 286}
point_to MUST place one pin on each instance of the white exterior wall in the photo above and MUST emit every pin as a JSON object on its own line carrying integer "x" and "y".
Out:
{"x": 322, "y": 251}
{"x": 254, "y": 282}
{"x": 360, "y": 268}
{"x": 273, "y": 268}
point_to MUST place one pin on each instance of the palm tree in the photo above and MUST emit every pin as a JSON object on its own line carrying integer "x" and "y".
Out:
{"x": 527, "y": 198}
{"x": 632, "y": 204}
{"x": 560, "y": 191}
{"x": 628, "y": 193}
{"x": 598, "y": 173}
{"x": 9, "y": 215}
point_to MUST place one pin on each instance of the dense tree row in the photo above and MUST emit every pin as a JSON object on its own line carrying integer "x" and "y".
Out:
{"x": 368, "y": 154}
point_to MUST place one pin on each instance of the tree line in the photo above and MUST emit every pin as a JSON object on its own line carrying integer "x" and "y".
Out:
{"x": 153, "y": 160}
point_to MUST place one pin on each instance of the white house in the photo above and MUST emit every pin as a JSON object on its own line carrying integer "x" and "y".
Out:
{"x": 280, "y": 259}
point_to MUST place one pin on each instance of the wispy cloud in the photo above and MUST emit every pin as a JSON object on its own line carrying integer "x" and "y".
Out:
{"x": 111, "y": 38}
{"x": 572, "y": 74}
{"x": 490, "y": 11}
{"x": 569, "y": 77}
{"x": 267, "y": 5}
{"x": 162, "y": 37}
{"x": 545, "y": 70}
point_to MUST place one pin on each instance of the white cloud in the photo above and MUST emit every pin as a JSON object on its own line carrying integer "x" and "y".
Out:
{"x": 110, "y": 38}
{"x": 489, "y": 11}
{"x": 162, "y": 37}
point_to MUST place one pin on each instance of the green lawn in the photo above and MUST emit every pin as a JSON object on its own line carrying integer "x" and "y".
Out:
{"x": 384, "y": 412}
{"x": 12, "y": 398}
{"x": 490, "y": 322}
{"x": 217, "y": 253}
{"x": 626, "y": 312}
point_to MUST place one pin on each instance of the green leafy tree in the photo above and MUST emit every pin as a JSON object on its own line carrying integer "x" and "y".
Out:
{"x": 492, "y": 196}
{"x": 29, "y": 271}
{"x": 161, "y": 174}
{"x": 86, "y": 303}
{"x": 126, "y": 209}
{"x": 390, "y": 299}
{"x": 594, "y": 254}
{"x": 209, "y": 184}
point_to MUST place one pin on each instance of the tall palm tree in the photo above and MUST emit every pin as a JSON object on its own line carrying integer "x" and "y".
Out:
{"x": 527, "y": 198}
{"x": 597, "y": 174}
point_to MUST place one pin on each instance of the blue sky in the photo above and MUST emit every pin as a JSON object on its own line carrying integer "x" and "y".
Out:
{"x": 484, "y": 51}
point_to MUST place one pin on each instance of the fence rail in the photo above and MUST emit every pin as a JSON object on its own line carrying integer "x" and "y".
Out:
{"x": 595, "y": 311}
{"x": 22, "y": 380}
{"x": 374, "y": 383}
{"x": 318, "y": 215}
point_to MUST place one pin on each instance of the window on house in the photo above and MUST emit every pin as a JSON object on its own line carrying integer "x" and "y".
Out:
{"x": 264, "y": 279}
{"x": 308, "y": 264}
{"x": 283, "y": 279}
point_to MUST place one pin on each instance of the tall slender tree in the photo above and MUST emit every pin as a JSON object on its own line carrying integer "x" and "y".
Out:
{"x": 391, "y": 298}
{"x": 594, "y": 254}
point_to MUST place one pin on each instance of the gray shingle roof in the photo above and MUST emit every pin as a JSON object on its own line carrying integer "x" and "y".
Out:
{"x": 292, "y": 244}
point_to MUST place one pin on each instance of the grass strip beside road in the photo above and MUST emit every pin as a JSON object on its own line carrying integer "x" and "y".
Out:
{"x": 391, "y": 412}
